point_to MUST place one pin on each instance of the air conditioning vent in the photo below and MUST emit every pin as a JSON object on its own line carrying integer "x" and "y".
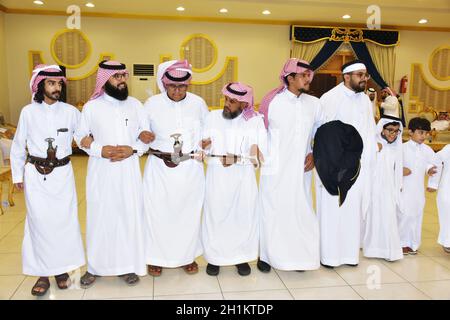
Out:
{"x": 144, "y": 70}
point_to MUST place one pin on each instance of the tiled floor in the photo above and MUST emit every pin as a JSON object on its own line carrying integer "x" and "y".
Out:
{"x": 425, "y": 276}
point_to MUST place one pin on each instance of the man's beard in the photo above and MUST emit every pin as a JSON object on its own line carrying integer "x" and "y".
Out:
{"x": 55, "y": 95}
{"x": 230, "y": 115}
{"x": 119, "y": 94}
{"x": 358, "y": 87}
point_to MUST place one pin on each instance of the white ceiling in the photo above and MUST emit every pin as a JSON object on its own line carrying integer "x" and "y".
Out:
{"x": 393, "y": 13}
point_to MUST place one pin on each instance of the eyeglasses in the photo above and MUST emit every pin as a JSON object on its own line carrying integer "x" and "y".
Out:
{"x": 174, "y": 87}
{"x": 119, "y": 76}
{"x": 362, "y": 75}
{"x": 393, "y": 131}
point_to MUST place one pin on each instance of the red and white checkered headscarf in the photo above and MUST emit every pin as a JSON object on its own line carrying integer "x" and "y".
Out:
{"x": 106, "y": 69}
{"x": 43, "y": 71}
{"x": 173, "y": 72}
{"x": 243, "y": 93}
{"x": 293, "y": 65}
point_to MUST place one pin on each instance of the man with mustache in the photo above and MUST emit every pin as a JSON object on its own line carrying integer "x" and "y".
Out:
{"x": 52, "y": 244}
{"x": 108, "y": 132}
{"x": 340, "y": 226}
{"x": 289, "y": 230}
{"x": 173, "y": 195}
{"x": 230, "y": 230}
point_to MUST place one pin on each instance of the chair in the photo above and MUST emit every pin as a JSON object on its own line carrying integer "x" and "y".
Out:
{"x": 5, "y": 175}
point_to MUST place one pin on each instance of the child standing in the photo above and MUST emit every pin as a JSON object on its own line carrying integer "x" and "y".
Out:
{"x": 418, "y": 160}
{"x": 381, "y": 238}
{"x": 443, "y": 199}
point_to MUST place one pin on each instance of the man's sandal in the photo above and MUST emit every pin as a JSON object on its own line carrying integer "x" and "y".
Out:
{"x": 41, "y": 287}
{"x": 130, "y": 279}
{"x": 63, "y": 281}
{"x": 191, "y": 268}
{"x": 87, "y": 280}
{"x": 154, "y": 271}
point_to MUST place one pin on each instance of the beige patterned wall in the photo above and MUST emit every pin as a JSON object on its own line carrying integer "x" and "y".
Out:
{"x": 212, "y": 91}
{"x": 426, "y": 95}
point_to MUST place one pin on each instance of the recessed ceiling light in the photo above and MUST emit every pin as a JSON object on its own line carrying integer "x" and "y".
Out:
{"x": 38, "y": 2}
{"x": 266, "y": 12}
{"x": 90, "y": 5}
{"x": 422, "y": 21}
{"x": 180, "y": 9}
{"x": 223, "y": 10}
{"x": 346, "y": 16}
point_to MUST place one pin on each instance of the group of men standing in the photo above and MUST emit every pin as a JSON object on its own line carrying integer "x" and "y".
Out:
{"x": 174, "y": 214}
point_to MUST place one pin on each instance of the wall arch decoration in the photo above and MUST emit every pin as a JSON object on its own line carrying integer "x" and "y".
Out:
{"x": 424, "y": 94}
{"x": 210, "y": 90}
{"x": 439, "y": 63}
{"x": 70, "y": 48}
{"x": 200, "y": 51}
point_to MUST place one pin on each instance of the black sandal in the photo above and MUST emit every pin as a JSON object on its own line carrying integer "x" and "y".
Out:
{"x": 63, "y": 281}
{"x": 130, "y": 279}
{"x": 41, "y": 283}
{"x": 87, "y": 280}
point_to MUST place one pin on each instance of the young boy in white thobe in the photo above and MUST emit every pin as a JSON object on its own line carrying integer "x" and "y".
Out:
{"x": 418, "y": 160}
{"x": 381, "y": 238}
{"x": 443, "y": 198}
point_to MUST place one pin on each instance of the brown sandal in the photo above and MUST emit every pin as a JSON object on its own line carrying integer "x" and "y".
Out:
{"x": 191, "y": 268}
{"x": 42, "y": 283}
{"x": 154, "y": 270}
{"x": 63, "y": 281}
{"x": 87, "y": 280}
{"x": 130, "y": 279}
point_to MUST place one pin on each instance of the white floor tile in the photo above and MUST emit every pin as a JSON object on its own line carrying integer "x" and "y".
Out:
{"x": 8, "y": 285}
{"x": 115, "y": 287}
{"x": 391, "y": 291}
{"x": 231, "y": 281}
{"x": 420, "y": 269}
{"x": 259, "y": 295}
{"x": 53, "y": 293}
{"x": 368, "y": 270}
{"x": 437, "y": 290}
{"x": 200, "y": 296}
{"x": 10, "y": 264}
{"x": 311, "y": 279}
{"x": 177, "y": 282}
{"x": 328, "y": 293}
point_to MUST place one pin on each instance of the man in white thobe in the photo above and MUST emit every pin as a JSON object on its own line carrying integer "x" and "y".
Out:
{"x": 173, "y": 192}
{"x": 382, "y": 238}
{"x": 52, "y": 244}
{"x": 289, "y": 230}
{"x": 340, "y": 226}
{"x": 233, "y": 137}
{"x": 108, "y": 132}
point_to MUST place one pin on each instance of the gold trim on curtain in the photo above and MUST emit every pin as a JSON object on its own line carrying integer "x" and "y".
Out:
{"x": 306, "y": 51}
{"x": 384, "y": 60}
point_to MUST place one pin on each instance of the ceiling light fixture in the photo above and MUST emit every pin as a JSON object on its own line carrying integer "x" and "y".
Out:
{"x": 346, "y": 16}
{"x": 90, "y": 5}
{"x": 266, "y": 12}
{"x": 422, "y": 21}
{"x": 223, "y": 10}
{"x": 38, "y": 2}
{"x": 180, "y": 9}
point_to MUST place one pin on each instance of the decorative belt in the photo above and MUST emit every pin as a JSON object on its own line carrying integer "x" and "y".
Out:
{"x": 46, "y": 166}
